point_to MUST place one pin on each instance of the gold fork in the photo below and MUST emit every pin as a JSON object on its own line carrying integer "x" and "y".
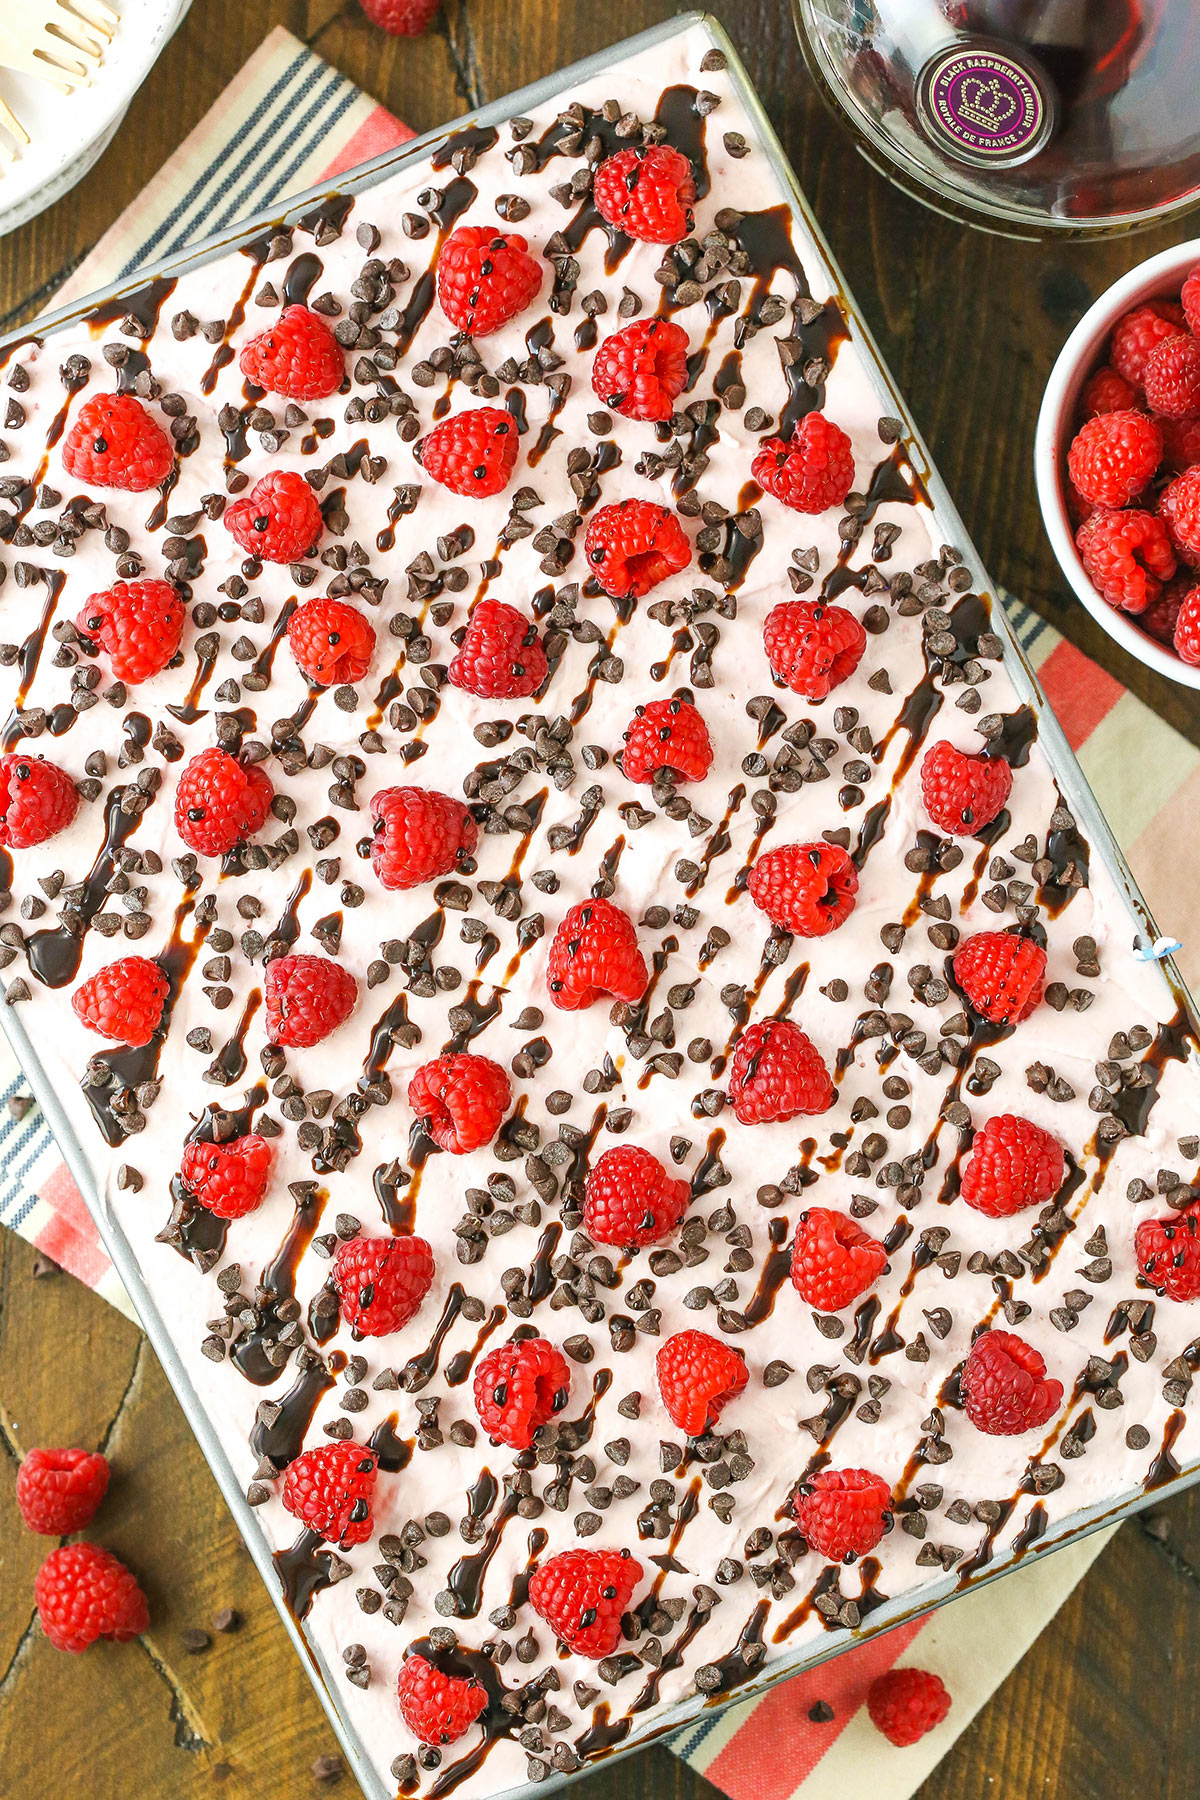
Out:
{"x": 61, "y": 41}
{"x": 10, "y": 123}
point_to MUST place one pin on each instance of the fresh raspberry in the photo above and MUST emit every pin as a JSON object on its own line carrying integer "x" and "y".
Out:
{"x": 138, "y": 625}
{"x": 501, "y": 655}
{"x": 115, "y": 443}
{"x": 518, "y": 1388}
{"x": 1179, "y": 509}
{"x": 1004, "y": 1385}
{"x": 1162, "y": 615}
{"x": 1127, "y": 555}
{"x": 229, "y": 1180}
{"x": 631, "y": 1200}
{"x": 219, "y": 802}
{"x": 667, "y": 734}
{"x": 906, "y": 1703}
{"x": 777, "y": 1073}
{"x": 332, "y": 643}
{"x": 806, "y": 888}
{"x": 381, "y": 1282}
{"x": 1013, "y": 1164}
{"x": 307, "y": 997}
{"x": 810, "y": 471}
{"x": 843, "y": 1513}
{"x": 279, "y": 520}
{"x": 437, "y": 1708}
{"x": 37, "y": 800}
{"x": 472, "y": 453}
{"x": 1113, "y": 457}
{"x": 833, "y": 1259}
{"x": 582, "y": 1594}
{"x": 1190, "y": 298}
{"x": 485, "y": 277}
{"x": 698, "y": 1376}
{"x": 633, "y": 545}
{"x": 963, "y": 793}
{"x": 123, "y": 1001}
{"x": 1168, "y": 1254}
{"x": 641, "y": 370}
{"x": 812, "y": 647}
{"x": 418, "y": 835}
{"x": 1002, "y": 976}
{"x": 1186, "y": 638}
{"x": 329, "y": 1490}
{"x": 84, "y": 1593}
{"x": 1181, "y": 443}
{"x": 647, "y": 193}
{"x": 1106, "y": 392}
{"x": 1135, "y": 336}
{"x": 594, "y": 953}
{"x": 297, "y": 357}
{"x": 461, "y": 1100}
{"x": 58, "y": 1491}
{"x": 1172, "y": 379}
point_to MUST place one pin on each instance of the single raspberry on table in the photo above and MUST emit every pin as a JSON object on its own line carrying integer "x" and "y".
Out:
{"x": 37, "y": 800}
{"x": 698, "y": 1376}
{"x": 329, "y": 1489}
{"x": 1135, "y": 336}
{"x": 485, "y": 277}
{"x": 1105, "y": 391}
{"x": 418, "y": 835}
{"x": 279, "y": 520}
{"x": 229, "y": 1180}
{"x": 84, "y": 1593}
{"x": 581, "y": 1594}
{"x": 630, "y": 1199}
{"x": 298, "y": 357}
{"x": 1127, "y": 556}
{"x": 1186, "y": 636}
{"x": 1179, "y": 509}
{"x": 777, "y": 1073}
{"x": 123, "y": 1001}
{"x": 58, "y": 1491}
{"x": 1181, "y": 443}
{"x": 1013, "y": 1164}
{"x": 812, "y": 646}
{"x": 1005, "y": 1388}
{"x": 806, "y": 888}
{"x": 647, "y": 193}
{"x": 1190, "y": 299}
{"x": 437, "y": 1708}
{"x": 519, "y": 1387}
{"x": 1168, "y": 1254}
{"x": 137, "y": 624}
{"x": 461, "y": 1100}
{"x": 667, "y": 734}
{"x": 220, "y": 802}
{"x": 472, "y": 453}
{"x": 307, "y": 998}
{"x": 595, "y": 953}
{"x": 501, "y": 655}
{"x": 331, "y": 642}
{"x": 963, "y": 793}
{"x": 1162, "y": 615}
{"x": 381, "y": 1282}
{"x": 843, "y": 1513}
{"x": 906, "y": 1703}
{"x": 1172, "y": 378}
{"x": 1002, "y": 976}
{"x": 1112, "y": 457}
{"x": 632, "y": 545}
{"x": 115, "y": 443}
{"x": 641, "y": 370}
{"x": 833, "y": 1259}
{"x": 810, "y": 471}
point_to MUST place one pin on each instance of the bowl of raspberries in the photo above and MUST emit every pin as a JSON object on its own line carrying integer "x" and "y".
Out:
{"x": 1117, "y": 461}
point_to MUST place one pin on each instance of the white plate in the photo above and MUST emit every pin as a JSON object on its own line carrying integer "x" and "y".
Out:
{"x": 70, "y": 131}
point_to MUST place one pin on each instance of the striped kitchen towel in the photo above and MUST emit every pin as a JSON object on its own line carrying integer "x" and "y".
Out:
{"x": 289, "y": 121}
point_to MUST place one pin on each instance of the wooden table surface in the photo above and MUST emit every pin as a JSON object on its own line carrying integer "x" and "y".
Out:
{"x": 1107, "y": 1689}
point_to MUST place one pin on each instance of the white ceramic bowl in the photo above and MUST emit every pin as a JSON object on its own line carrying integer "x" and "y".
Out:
{"x": 1160, "y": 278}
{"x": 71, "y": 131}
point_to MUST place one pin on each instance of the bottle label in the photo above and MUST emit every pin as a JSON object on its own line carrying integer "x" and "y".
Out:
{"x": 981, "y": 105}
